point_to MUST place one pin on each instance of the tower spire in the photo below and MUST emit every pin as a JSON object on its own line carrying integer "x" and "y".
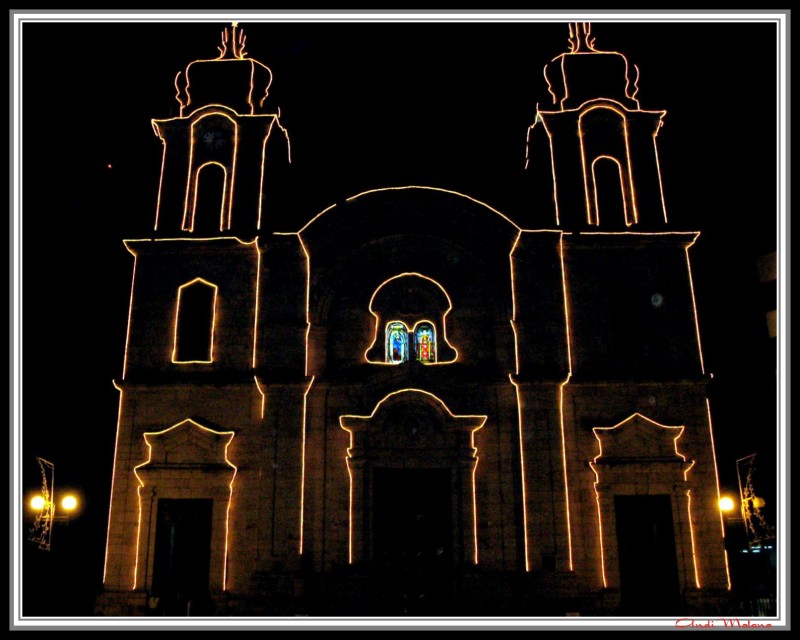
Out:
{"x": 580, "y": 37}
{"x": 233, "y": 43}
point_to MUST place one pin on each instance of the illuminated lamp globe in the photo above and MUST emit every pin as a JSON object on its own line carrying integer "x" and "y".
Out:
{"x": 37, "y": 503}
{"x": 726, "y": 504}
{"x": 68, "y": 503}
{"x": 758, "y": 503}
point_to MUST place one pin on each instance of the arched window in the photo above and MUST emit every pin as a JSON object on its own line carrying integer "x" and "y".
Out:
{"x": 194, "y": 322}
{"x": 425, "y": 342}
{"x": 609, "y": 191}
{"x": 208, "y": 210}
{"x": 396, "y": 343}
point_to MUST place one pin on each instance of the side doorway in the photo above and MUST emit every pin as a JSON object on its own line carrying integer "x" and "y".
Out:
{"x": 648, "y": 563}
{"x": 182, "y": 556}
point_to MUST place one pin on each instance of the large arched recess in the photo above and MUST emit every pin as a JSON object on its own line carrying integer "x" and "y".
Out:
{"x": 459, "y": 242}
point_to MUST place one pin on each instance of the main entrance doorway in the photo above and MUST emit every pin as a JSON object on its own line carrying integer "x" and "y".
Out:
{"x": 648, "y": 564}
{"x": 412, "y": 541}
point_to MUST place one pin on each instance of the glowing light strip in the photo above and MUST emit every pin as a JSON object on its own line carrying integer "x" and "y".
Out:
{"x": 552, "y": 171}
{"x": 519, "y": 403}
{"x": 130, "y": 312}
{"x": 562, "y": 57}
{"x": 113, "y": 479}
{"x": 474, "y": 497}
{"x": 141, "y": 486}
{"x": 658, "y": 168}
{"x": 303, "y": 465}
{"x": 344, "y": 417}
{"x": 522, "y": 473}
{"x": 686, "y": 234}
{"x": 444, "y": 320}
{"x": 308, "y": 299}
{"x": 600, "y": 527}
{"x": 206, "y": 239}
{"x": 564, "y": 466}
{"x": 213, "y": 323}
{"x": 561, "y": 396}
{"x": 528, "y": 141}
{"x": 628, "y": 223}
{"x": 161, "y": 174}
{"x": 261, "y": 176}
{"x": 227, "y": 522}
{"x": 252, "y": 62}
{"x": 264, "y": 160}
{"x": 215, "y": 107}
{"x": 716, "y": 477}
{"x": 286, "y": 135}
{"x": 405, "y": 188}
{"x": 263, "y": 396}
{"x": 539, "y": 118}
{"x": 257, "y": 305}
{"x": 349, "y": 508}
{"x": 178, "y": 89}
{"x": 694, "y": 305}
{"x": 643, "y": 417}
{"x": 514, "y": 302}
{"x": 691, "y": 534}
{"x": 566, "y": 304}
{"x": 632, "y": 95}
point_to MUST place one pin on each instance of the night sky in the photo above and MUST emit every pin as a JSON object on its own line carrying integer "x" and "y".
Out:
{"x": 366, "y": 106}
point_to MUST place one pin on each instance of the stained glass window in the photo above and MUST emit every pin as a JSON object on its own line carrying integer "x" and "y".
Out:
{"x": 396, "y": 343}
{"x": 425, "y": 342}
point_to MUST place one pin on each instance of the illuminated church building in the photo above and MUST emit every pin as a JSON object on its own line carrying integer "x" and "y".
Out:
{"x": 333, "y": 420}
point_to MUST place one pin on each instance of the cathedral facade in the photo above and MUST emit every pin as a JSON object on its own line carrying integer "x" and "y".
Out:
{"x": 337, "y": 420}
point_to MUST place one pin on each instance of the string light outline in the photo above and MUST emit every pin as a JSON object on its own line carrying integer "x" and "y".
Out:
{"x": 628, "y": 223}
{"x": 562, "y": 426}
{"x": 433, "y": 324}
{"x": 192, "y": 178}
{"x": 213, "y": 322}
{"x": 303, "y": 466}
{"x": 631, "y": 190}
{"x": 193, "y": 119}
{"x": 113, "y": 478}
{"x": 716, "y": 478}
{"x": 406, "y": 188}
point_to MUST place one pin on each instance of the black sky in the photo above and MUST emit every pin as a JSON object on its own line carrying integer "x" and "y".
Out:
{"x": 366, "y": 106}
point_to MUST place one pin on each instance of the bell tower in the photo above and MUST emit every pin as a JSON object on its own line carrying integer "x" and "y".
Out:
{"x": 215, "y": 151}
{"x": 604, "y": 159}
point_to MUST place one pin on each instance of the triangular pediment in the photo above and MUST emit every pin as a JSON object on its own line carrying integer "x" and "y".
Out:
{"x": 189, "y": 443}
{"x": 638, "y": 437}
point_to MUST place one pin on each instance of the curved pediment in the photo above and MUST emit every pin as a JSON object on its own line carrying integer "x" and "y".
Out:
{"x": 388, "y": 407}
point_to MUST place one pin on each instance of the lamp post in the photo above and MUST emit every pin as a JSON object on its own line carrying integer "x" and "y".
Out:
{"x": 44, "y": 505}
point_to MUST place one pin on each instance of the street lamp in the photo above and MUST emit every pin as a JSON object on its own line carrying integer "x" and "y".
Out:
{"x": 44, "y": 505}
{"x": 726, "y": 504}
